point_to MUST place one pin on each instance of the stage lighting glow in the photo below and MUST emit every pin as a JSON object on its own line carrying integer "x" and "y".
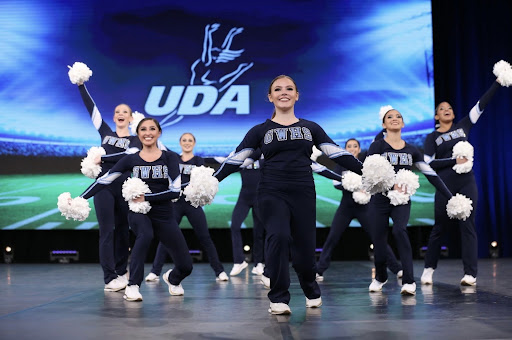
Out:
{"x": 8, "y": 249}
{"x": 247, "y": 248}
{"x": 494, "y": 250}
{"x": 8, "y": 254}
{"x": 197, "y": 255}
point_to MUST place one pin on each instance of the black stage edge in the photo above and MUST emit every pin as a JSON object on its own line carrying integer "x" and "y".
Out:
{"x": 34, "y": 246}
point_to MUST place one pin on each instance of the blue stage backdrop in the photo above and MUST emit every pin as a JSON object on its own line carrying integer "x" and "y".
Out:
{"x": 205, "y": 66}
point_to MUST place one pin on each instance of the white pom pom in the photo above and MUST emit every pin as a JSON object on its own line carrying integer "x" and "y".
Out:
{"x": 88, "y": 165}
{"x": 77, "y": 208}
{"x": 79, "y": 73}
{"x": 139, "y": 207}
{"x": 316, "y": 153}
{"x": 134, "y": 187}
{"x": 64, "y": 203}
{"x": 463, "y": 149}
{"x": 459, "y": 207}
{"x": 378, "y": 174}
{"x": 407, "y": 181}
{"x": 503, "y": 71}
{"x": 397, "y": 198}
{"x": 361, "y": 197}
{"x": 383, "y": 110}
{"x": 202, "y": 188}
{"x": 136, "y": 118}
{"x": 351, "y": 181}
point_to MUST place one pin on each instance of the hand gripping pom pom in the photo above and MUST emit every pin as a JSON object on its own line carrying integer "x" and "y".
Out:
{"x": 383, "y": 110}
{"x": 88, "y": 165}
{"x": 503, "y": 71}
{"x": 351, "y": 181}
{"x": 202, "y": 188}
{"x": 463, "y": 150}
{"x": 361, "y": 197}
{"x": 136, "y": 118}
{"x": 134, "y": 187}
{"x": 459, "y": 207}
{"x": 77, "y": 208}
{"x": 397, "y": 198}
{"x": 378, "y": 174}
{"x": 79, "y": 73}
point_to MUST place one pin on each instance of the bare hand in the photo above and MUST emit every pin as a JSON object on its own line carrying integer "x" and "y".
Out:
{"x": 461, "y": 160}
{"x": 138, "y": 199}
{"x": 97, "y": 160}
{"x": 402, "y": 189}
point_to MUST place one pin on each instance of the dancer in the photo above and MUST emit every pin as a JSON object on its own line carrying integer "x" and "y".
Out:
{"x": 346, "y": 212}
{"x": 250, "y": 173}
{"x": 195, "y": 216}
{"x": 161, "y": 172}
{"x": 401, "y": 155}
{"x": 111, "y": 208}
{"x": 286, "y": 193}
{"x": 439, "y": 147}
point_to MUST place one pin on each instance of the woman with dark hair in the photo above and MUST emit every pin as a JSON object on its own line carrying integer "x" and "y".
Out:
{"x": 195, "y": 215}
{"x": 286, "y": 192}
{"x": 346, "y": 212}
{"x": 439, "y": 153}
{"x": 400, "y": 155}
{"x": 160, "y": 171}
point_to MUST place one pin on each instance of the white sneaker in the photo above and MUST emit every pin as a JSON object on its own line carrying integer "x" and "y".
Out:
{"x": 376, "y": 286}
{"x": 313, "y": 303}
{"x": 173, "y": 290}
{"x": 123, "y": 278}
{"x": 468, "y": 280}
{"x": 279, "y": 308}
{"x": 152, "y": 277}
{"x": 319, "y": 277}
{"x": 223, "y": 276}
{"x": 265, "y": 281}
{"x": 408, "y": 289}
{"x": 237, "y": 269}
{"x": 258, "y": 269}
{"x": 426, "y": 277}
{"x": 115, "y": 285}
{"x": 400, "y": 274}
{"x": 132, "y": 293}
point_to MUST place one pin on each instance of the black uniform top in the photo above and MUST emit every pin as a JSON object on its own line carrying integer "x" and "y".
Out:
{"x": 439, "y": 145}
{"x": 115, "y": 146}
{"x": 405, "y": 158}
{"x": 186, "y": 167}
{"x": 287, "y": 151}
{"x": 162, "y": 176}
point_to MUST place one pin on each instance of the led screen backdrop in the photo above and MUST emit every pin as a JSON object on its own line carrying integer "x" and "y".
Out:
{"x": 203, "y": 67}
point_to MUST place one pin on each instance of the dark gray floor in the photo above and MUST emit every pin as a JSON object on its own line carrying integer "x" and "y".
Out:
{"x": 67, "y": 301}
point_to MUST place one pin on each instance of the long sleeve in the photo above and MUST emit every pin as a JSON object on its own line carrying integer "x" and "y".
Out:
{"x": 96, "y": 118}
{"x": 324, "y": 171}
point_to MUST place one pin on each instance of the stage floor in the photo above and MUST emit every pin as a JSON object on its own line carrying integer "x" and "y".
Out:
{"x": 67, "y": 301}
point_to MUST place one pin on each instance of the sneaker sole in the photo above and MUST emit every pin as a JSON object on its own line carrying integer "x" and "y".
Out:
{"x": 113, "y": 289}
{"x": 239, "y": 271}
{"x": 286, "y": 312}
{"x": 467, "y": 284}
{"x": 132, "y": 300}
{"x": 169, "y": 284}
{"x": 406, "y": 292}
{"x": 427, "y": 282}
{"x": 155, "y": 280}
{"x": 315, "y": 306}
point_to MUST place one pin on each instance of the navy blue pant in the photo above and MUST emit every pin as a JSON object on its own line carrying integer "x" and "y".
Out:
{"x": 114, "y": 243}
{"x": 346, "y": 212}
{"x": 469, "y": 242}
{"x": 197, "y": 219}
{"x": 289, "y": 216}
{"x": 159, "y": 222}
{"x": 382, "y": 211}
{"x": 247, "y": 200}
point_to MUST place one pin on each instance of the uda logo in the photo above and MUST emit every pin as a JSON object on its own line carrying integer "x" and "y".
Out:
{"x": 211, "y": 88}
